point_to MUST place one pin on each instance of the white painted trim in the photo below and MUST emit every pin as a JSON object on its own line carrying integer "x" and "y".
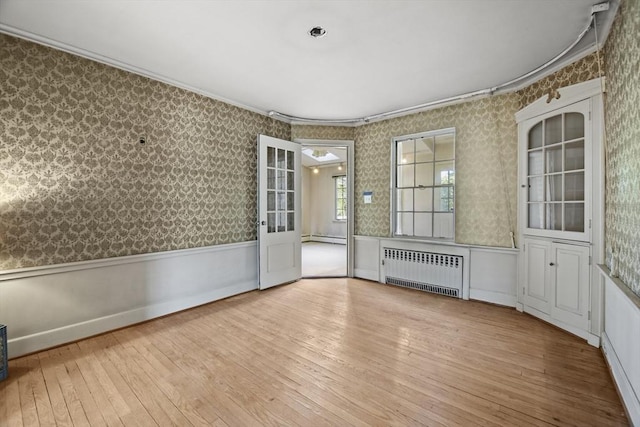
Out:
{"x": 568, "y": 95}
{"x": 306, "y": 238}
{"x": 45, "y": 41}
{"x": 21, "y": 273}
{"x": 629, "y": 398}
{"x": 328, "y": 239}
{"x": 493, "y": 297}
{"x": 586, "y": 335}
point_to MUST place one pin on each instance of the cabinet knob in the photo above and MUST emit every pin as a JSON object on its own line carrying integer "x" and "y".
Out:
{"x": 551, "y": 264}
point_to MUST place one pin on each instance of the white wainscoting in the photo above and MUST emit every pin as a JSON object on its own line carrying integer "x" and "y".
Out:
{"x": 366, "y": 264}
{"x": 494, "y": 275}
{"x": 48, "y": 306}
{"x": 621, "y": 341}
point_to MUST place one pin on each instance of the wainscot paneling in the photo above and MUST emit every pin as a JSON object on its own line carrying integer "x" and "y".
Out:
{"x": 47, "y": 306}
{"x": 494, "y": 275}
{"x": 621, "y": 341}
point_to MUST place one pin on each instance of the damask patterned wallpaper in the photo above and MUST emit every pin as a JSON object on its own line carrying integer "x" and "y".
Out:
{"x": 622, "y": 118}
{"x": 75, "y": 184}
{"x": 322, "y": 132}
{"x": 486, "y": 168}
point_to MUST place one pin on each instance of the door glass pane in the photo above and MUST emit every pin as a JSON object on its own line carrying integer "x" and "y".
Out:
{"x": 424, "y": 149}
{"x": 282, "y": 221}
{"x": 443, "y": 225}
{"x": 271, "y": 222}
{"x": 443, "y": 200}
{"x": 405, "y": 176}
{"x": 536, "y": 189}
{"x": 536, "y": 166}
{"x": 444, "y": 173}
{"x": 271, "y": 179}
{"x": 271, "y": 200}
{"x": 554, "y": 159}
{"x": 424, "y": 174}
{"x": 423, "y": 199}
{"x": 281, "y": 158}
{"x": 444, "y": 147}
{"x": 423, "y": 224}
{"x": 405, "y": 152}
{"x": 553, "y": 130}
{"x": 535, "y": 136}
{"x": 536, "y": 215}
{"x": 554, "y": 188}
{"x": 281, "y": 183}
{"x": 404, "y": 199}
{"x": 574, "y": 155}
{"x": 404, "y": 224}
{"x": 573, "y": 126}
{"x": 290, "y": 181}
{"x": 574, "y": 186}
{"x": 290, "y": 160}
{"x": 554, "y": 216}
{"x": 271, "y": 157}
{"x": 290, "y": 199}
{"x": 282, "y": 201}
{"x": 290, "y": 221}
{"x": 574, "y": 217}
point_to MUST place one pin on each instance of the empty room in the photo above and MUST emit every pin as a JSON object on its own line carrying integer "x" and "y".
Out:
{"x": 320, "y": 213}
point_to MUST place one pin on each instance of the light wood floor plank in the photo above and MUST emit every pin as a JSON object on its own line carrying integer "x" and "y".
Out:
{"x": 329, "y": 352}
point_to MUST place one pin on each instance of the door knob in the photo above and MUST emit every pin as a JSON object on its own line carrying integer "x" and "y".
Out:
{"x": 263, "y": 223}
{"x": 551, "y": 264}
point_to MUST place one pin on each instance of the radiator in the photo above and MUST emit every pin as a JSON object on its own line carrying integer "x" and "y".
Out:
{"x": 426, "y": 271}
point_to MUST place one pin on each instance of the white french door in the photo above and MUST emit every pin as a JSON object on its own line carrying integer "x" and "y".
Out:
{"x": 279, "y": 220}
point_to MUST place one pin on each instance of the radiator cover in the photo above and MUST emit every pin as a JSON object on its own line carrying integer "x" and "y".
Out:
{"x": 426, "y": 271}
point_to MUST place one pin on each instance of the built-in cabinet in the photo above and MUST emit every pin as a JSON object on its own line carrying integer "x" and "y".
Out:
{"x": 560, "y": 208}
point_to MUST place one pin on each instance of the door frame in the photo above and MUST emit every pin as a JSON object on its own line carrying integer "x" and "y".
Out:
{"x": 350, "y": 146}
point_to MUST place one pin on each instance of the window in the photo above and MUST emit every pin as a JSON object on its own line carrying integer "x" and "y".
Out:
{"x": 424, "y": 184}
{"x": 340, "y": 185}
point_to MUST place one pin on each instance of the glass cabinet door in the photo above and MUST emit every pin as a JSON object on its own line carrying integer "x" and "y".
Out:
{"x": 556, "y": 167}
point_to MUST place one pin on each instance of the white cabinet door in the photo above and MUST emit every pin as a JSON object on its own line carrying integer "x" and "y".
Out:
{"x": 537, "y": 286}
{"x": 570, "y": 284}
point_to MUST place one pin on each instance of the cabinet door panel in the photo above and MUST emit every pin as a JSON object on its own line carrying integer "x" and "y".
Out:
{"x": 537, "y": 286}
{"x": 570, "y": 281}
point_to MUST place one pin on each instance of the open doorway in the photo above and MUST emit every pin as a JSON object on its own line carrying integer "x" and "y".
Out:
{"x": 327, "y": 207}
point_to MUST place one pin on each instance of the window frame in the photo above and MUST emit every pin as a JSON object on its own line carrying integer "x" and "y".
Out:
{"x": 336, "y": 178}
{"x": 394, "y": 188}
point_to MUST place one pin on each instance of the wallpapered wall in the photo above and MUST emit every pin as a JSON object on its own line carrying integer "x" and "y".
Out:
{"x": 322, "y": 132}
{"x": 622, "y": 118}
{"x": 75, "y": 184}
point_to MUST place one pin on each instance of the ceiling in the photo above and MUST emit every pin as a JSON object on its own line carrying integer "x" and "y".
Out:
{"x": 377, "y": 56}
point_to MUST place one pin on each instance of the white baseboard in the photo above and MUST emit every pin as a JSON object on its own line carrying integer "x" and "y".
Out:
{"x": 592, "y": 339}
{"x": 306, "y": 238}
{"x": 493, "y": 297}
{"x": 328, "y": 239}
{"x": 50, "y": 306}
{"x": 629, "y": 398}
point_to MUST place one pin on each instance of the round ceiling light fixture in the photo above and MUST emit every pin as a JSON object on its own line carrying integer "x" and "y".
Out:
{"x": 317, "y": 32}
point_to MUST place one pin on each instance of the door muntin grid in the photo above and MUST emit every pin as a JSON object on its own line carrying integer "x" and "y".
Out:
{"x": 280, "y": 190}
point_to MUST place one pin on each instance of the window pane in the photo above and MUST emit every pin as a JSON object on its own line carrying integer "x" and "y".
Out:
{"x": 404, "y": 199}
{"x": 443, "y": 225}
{"x": 423, "y": 200}
{"x": 281, "y": 159}
{"x": 443, "y": 200}
{"x": 574, "y": 186}
{"x": 444, "y": 173}
{"x": 574, "y": 155}
{"x": 554, "y": 216}
{"x": 290, "y": 221}
{"x": 290, "y": 200}
{"x": 573, "y": 126}
{"x": 444, "y": 147}
{"x": 404, "y": 225}
{"x": 554, "y": 159}
{"x": 290, "y": 160}
{"x": 290, "y": 181}
{"x": 536, "y": 215}
{"x": 281, "y": 183}
{"x": 271, "y": 200}
{"x": 282, "y": 221}
{"x": 282, "y": 201}
{"x": 553, "y": 130}
{"x": 536, "y": 189}
{"x": 271, "y": 223}
{"x": 536, "y": 165}
{"x": 271, "y": 179}
{"x": 405, "y": 176}
{"x": 554, "y": 188}
{"x": 424, "y": 174}
{"x": 424, "y": 149}
{"x": 574, "y": 217}
{"x": 271, "y": 157}
{"x": 535, "y": 136}
{"x": 405, "y": 152}
{"x": 423, "y": 224}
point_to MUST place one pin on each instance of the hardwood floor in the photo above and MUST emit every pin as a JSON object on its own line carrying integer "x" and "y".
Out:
{"x": 320, "y": 352}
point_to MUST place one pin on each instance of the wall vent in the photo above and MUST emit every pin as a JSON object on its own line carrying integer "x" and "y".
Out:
{"x": 426, "y": 271}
